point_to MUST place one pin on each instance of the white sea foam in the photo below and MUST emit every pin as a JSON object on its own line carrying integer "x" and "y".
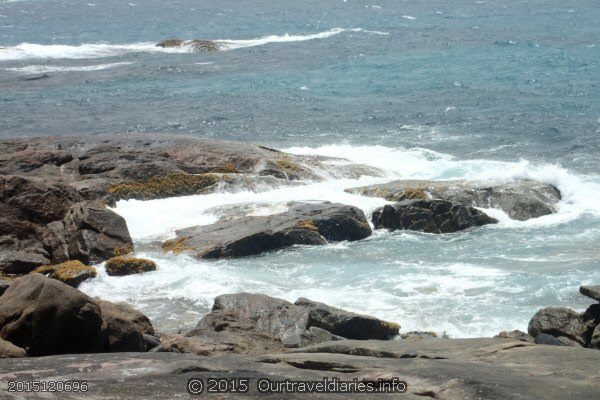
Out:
{"x": 38, "y": 69}
{"x": 25, "y": 51}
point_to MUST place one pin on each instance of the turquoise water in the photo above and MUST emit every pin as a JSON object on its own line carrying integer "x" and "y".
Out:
{"x": 422, "y": 89}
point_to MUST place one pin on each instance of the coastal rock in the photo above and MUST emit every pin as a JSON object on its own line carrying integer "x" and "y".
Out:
{"x": 123, "y": 328}
{"x": 593, "y": 292}
{"x": 347, "y": 324}
{"x": 595, "y": 339}
{"x": 151, "y": 166}
{"x": 431, "y": 216}
{"x": 544, "y": 338}
{"x": 45, "y": 316}
{"x": 516, "y": 335}
{"x": 94, "y": 233}
{"x": 558, "y": 322}
{"x": 455, "y": 369}
{"x": 9, "y": 350}
{"x": 3, "y": 286}
{"x": 302, "y": 223}
{"x": 257, "y": 324}
{"x": 73, "y": 273}
{"x": 121, "y": 266}
{"x": 197, "y": 45}
{"x": 417, "y": 335}
{"x": 521, "y": 200}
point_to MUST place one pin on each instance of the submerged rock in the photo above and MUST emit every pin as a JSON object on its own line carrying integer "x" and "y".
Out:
{"x": 73, "y": 273}
{"x": 303, "y": 223}
{"x": 431, "y": 216}
{"x": 521, "y": 200}
{"x": 120, "y": 266}
{"x": 197, "y": 45}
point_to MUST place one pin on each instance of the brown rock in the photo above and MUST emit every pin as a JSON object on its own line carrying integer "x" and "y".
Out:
{"x": 73, "y": 273}
{"x": 9, "y": 350}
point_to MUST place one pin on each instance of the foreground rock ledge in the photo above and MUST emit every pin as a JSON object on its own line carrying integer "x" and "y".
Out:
{"x": 442, "y": 369}
{"x": 521, "y": 200}
{"x": 302, "y": 223}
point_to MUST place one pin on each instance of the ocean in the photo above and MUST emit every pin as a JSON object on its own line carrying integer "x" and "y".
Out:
{"x": 421, "y": 89}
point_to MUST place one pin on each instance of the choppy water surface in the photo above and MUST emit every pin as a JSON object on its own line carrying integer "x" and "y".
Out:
{"x": 421, "y": 89}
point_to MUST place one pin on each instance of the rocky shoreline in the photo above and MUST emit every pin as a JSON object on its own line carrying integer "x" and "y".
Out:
{"x": 57, "y": 224}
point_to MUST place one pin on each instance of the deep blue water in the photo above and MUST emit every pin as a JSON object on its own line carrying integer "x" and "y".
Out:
{"x": 494, "y": 88}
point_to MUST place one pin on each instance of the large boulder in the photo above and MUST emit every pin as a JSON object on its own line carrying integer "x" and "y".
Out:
{"x": 431, "y": 216}
{"x": 94, "y": 233}
{"x": 256, "y": 324}
{"x": 302, "y": 223}
{"x": 4, "y": 284}
{"x": 521, "y": 200}
{"x": 45, "y": 316}
{"x": 558, "y": 322}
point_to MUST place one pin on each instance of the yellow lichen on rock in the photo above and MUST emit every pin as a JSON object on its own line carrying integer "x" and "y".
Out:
{"x": 415, "y": 193}
{"x": 166, "y": 186}
{"x": 289, "y": 165}
{"x": 177, "y": 246}
{"x": 71, "y": 272}
{"x": 307, "y": 224}
{"x": 119, "y": 266}
{"x": 124, "y": 250}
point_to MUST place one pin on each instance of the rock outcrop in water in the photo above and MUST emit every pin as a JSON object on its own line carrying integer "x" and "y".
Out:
{"x": 520, "y": 200}
{"x": 54, "y": 189}
{"x": 568, "y": 327}
{"x": 200, "y": 46}
{"x": 302, "y": 223}
{"x": 45, "y": 316}
{"x": 430, "y": 216}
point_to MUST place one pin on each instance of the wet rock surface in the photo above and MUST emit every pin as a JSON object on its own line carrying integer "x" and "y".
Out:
{"x": 430, "y": 216}
{"x": 196, "y": 45}
{"x": 521, "y": 200}
{"x": 121, "y": 266}
{"x": 302, "y": 223}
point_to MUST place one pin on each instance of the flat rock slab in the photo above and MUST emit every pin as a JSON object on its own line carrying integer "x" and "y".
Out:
{"x": 593, "y": 292}
{"x": 443, "y": 369}
{"x": 521, "y": 200}
{"x": 431, "y": 216}
{"x": 302, "y": 223}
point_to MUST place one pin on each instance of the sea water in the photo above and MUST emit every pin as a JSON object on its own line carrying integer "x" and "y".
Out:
{"x": 420, "y": 89}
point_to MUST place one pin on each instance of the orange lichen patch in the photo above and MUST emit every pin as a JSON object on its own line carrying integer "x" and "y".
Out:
{"x": 119, "y": 266}
{"x": 166, "y": 186}
{"x": 227, "y": 168}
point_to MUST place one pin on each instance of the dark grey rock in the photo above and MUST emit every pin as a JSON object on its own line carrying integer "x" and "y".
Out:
{"x": 197, "y": 45}
{"x": 521, "y": 200}
{"x": 347, "y": 324}
{"x": 431, "y": 216}
{"x": 593, "y": 292}
{"x": 544, "y": 338}
{"x": 558, "y": 322}
{"x": 303, "y": 223}
{"x": 94, "y": 233}
{"x": 124, "y": 328}
{"x": 595, "y": 339}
